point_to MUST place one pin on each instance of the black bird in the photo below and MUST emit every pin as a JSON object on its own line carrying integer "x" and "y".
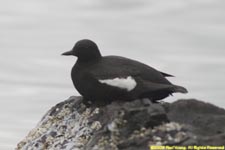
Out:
{"x": 103, "y": 79}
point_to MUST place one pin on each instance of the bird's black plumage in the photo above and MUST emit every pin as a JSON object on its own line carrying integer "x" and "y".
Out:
{"x": 102, "y": 80}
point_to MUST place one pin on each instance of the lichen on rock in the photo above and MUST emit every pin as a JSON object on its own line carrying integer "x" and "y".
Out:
{"x": 136, "y": 125}
{"x": 65, "y": 126}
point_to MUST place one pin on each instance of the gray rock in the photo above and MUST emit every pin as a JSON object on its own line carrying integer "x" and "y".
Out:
{"x": 205, "y": 120}
{"x": 135, "y": 125}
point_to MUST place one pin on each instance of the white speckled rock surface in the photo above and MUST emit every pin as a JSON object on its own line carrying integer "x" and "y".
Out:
{"x": 63, "y": 127}
{"x": 135, "y": 125}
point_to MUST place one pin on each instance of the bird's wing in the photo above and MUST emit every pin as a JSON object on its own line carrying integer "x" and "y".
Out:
{"x": 136, "y": 68}
{"x": 113, "y": 73}
{"x": 151, "y": 86}
{"x": 166, "y": 74}
{"x": 114, "y": 67}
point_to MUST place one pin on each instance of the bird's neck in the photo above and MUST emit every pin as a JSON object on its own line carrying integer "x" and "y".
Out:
{"x": 88, "y": 61}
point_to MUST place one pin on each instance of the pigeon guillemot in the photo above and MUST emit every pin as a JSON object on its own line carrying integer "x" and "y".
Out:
{"x": 103, "y": 79}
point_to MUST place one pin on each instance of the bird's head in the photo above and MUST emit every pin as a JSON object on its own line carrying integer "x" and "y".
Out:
{"x": 85, "y": 50}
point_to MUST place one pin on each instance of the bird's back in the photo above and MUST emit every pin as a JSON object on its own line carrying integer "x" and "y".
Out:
{"x": 116, "y": 66}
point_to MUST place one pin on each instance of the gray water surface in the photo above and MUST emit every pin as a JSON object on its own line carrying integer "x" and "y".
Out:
{"x": 182, "y": 37}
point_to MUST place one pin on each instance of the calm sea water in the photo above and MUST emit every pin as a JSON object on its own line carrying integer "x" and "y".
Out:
{"x": 181, "y": 37}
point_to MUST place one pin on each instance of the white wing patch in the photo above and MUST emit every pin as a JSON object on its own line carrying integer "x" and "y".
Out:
{"x": 124, "y": 83}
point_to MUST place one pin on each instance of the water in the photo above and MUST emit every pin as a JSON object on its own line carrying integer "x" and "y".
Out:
{"x": 181, "y": 37}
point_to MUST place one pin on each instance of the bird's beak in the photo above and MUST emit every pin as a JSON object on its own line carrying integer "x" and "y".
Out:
{"x": 68, "y": 53}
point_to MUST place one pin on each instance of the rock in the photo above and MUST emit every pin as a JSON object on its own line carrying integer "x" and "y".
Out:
{"x": 206, "y": 120}
{"x": 135, "y": 125}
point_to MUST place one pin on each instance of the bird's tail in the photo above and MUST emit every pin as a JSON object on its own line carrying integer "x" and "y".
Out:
{"x": 180, "y": 89}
